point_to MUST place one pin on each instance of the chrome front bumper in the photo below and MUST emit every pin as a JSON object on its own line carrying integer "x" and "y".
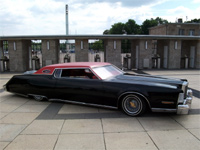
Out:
{"x": 185, "y": 107}
{"x": 4, "y": 87}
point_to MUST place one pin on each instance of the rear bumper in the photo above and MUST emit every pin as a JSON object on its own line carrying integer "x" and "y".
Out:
{"x": 185, "y": 107}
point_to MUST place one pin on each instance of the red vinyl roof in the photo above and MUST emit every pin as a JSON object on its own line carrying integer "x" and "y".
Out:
{"x": 50, "y": 69}
{"x": 80, "y": 64}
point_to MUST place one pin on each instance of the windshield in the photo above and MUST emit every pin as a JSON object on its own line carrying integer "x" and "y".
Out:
{"x": 106, "y": 72}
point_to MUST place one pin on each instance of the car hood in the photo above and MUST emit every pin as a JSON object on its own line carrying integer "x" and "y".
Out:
{"x": 148, "y": 79}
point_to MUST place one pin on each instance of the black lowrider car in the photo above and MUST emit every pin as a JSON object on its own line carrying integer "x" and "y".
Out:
{"x": 102, "y": 84}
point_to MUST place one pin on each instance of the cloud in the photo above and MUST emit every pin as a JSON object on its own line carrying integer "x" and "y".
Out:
{"x": 46, "y": 17}
{"x": 182, "y": 12}
{"x": 196, "y": 1}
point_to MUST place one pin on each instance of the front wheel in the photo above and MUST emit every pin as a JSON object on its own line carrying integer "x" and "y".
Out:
{"x": 133, "y": 105}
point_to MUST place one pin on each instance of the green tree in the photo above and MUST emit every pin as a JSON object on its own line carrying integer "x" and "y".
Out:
{"x": 131, "y": 27}
{"x": 97, "y": 45}
{"x": 151, "y": 23}
{"x": 193, "y": 21}
{"x": 117, "y": 28}
{"x": 161, "y": 21}
{"x": 106, "y": 32}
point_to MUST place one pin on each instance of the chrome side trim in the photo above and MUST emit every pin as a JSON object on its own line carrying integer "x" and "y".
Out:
{"x": 163, "y": 110}
{"x": 37, "y": 95}
{"x": 133, "y": 93}
{"x": 82, "y": 103}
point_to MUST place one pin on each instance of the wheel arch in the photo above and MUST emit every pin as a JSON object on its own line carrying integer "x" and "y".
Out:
{"x": 131, "y": 92}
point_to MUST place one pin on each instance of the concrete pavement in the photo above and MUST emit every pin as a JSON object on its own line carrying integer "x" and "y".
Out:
{"x": 28, "y": 124}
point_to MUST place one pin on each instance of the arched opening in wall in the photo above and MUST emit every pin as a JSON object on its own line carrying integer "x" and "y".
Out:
{"x": 96, "y": 51}
{"x": 67, "y": 51}
{"x": 4, "y": 60}
{"x": 155, "y": 55}
{"x": 126, "y": 53}
{"x": 35, "y": 54}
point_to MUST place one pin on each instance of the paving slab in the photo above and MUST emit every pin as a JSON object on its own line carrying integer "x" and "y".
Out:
{"x": 195, "y": 132}
{"x": 195, "y": 103}
{"x": 19, "y": 118}
{"x": 2, "y": 114}
{"x": 129, "y": 141}
{"x": 174, "y": 139}
{"x": 3, "y": 145}
{"x": 44, "y": 127}
{"x": 74, "y": 109}
{"x": 5, "y": 95}
{"x": 106, "y": 110}
{"x": 15, "y": 99}
{"x": 121, "y": 125}
{"x": 80, "y": 142}
{"x": 9, "y": 131}
{"x": 159, "y": 123}
{"x": 7, "y": 108}
{"x": 31, "y": 108}
{"x": 82, "y": 126}
{"x": 188, "y": 121}
{"x": 34, "y": 142}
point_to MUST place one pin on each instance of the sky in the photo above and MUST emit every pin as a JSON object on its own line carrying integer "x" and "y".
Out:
{"x": 47, "y": 17}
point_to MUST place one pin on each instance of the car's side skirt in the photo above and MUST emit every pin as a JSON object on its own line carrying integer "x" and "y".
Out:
{"x": 163, "y": 110}
{"x": 82, "y": 103}
{"x": 19, "y": 94}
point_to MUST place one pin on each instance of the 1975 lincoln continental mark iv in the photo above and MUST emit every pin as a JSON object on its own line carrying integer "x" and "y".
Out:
{"x": 104, "y": 85}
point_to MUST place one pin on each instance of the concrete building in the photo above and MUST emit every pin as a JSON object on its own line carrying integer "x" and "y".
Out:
{"x": 147, "y": 51}
{"x": 186, "y": 52}
{"x": 187, "y": 29}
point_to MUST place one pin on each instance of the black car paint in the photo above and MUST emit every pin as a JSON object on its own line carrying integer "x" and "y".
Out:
{"x": 153, "y": 89}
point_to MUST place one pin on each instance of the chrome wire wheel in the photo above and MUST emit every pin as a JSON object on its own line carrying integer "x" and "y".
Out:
{"x": 133, "y": 105}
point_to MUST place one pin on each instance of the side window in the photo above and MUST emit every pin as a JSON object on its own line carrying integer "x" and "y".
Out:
{"x": 57, "y": 73}
{"x": 78, "y": 73}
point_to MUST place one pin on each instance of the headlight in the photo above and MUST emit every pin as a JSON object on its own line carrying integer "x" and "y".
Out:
{"x": 189, "y": 93}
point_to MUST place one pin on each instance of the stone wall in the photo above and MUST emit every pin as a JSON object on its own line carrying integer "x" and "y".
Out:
{"x": 19, "y": 55}
{"x": 158, "y": 30}
{"x": 174, "y": 52}
{"x": 141, "y": 54}
{"x": 197, "y": 55}
{"x": 81, "y": 49}
{"x": 112, "y": 52}
{"x": 50, "y": 51}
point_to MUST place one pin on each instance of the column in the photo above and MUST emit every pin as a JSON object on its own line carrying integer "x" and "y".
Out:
{"x": 141, "y": 54}
{"x": 1, "y": 56}
{"x": 174, "y": 54}
{"x": 50, "y": 52}
{"x": 19, "y": 55}
{"x": 134, "y": 54}
{"x": 81, "y": 50}
{"x": 197, "y": 63}
{"x": 112, "y": 52}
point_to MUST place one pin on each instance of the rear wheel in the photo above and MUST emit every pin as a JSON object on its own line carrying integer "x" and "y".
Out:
{"x": 133, "y": 105}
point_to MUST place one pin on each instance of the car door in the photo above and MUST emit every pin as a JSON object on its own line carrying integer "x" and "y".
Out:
{"x": 78, "y": 85}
